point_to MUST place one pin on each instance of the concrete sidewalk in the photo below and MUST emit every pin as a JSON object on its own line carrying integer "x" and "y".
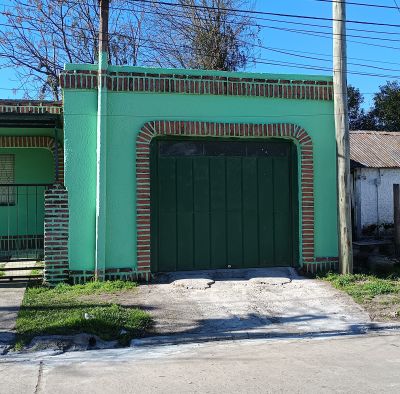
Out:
{"x": 11, "y": 295}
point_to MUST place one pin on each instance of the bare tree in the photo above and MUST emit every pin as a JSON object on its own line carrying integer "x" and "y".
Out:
{"x": 40, "y": 36}
{"x": 203, "y": 34}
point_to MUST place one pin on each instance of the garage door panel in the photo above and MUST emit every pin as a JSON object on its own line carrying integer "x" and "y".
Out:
{"x": 218, "y": 184}
{"x": 282, "y": 215}
{"x": 201, "y": 184}
{"x": 201, "y": 240}
{"x": 185, "y": 200}
{"x": 250, "y": 239}
{"x": 234, "y": 184}
{"x": 234, "y": 239}
{"x": 250, "y": 212}
{"x": 184, "y": 184}
{"x": 218, "y": 236}
{"x": 234, "y": 211}
{"x": 185, "y": 244}
{"x": 218, "y": 240}
{"x": 167, "y": 241}
{"x": 266, "y": 211}
{"x": 167, "y": 185}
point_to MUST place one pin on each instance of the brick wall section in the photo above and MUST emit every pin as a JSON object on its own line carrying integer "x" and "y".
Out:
{"x": 31, "y": 107}
{"x": 179, "y": 128}
{"x": 56, "y": 219}
{"x": 199, "y": 84}
{"x": 37, "y": 142}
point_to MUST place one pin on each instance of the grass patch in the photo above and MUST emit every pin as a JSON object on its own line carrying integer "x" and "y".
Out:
{"x": 60, "y": 310}
{"x": 2, "y": 273}
{"x": 363, "y": 287}
{"x": 39, "y": 270}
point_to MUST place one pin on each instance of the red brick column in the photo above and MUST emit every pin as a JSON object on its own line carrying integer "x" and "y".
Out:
{"x": 283, "y": 130}
{"x": 56, "y": 219}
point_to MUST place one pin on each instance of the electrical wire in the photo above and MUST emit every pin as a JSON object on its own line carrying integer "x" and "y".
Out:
{"x": 358, "y": 4}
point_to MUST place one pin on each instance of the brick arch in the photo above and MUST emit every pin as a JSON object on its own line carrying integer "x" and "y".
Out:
{"x": 38, "y": 142}
{"x": 188, "y": 128}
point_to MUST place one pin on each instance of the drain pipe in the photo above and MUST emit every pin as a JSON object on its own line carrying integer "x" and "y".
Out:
{"x": 101, "y": 148}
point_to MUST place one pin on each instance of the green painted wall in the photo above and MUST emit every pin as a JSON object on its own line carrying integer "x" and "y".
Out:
{"x": 80, "y": 174}
{"x": 127, "y": 112}
{"x": 33, "y": 166}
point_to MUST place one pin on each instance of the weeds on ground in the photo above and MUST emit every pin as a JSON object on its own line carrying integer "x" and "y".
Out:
{"x": 39, "y": 269}
{"x": 363, "y": 287}
{"x": 59, "y": 310}
{"x": 2, "y": 273}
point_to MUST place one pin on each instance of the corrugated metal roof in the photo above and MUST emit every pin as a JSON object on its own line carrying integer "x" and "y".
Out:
{"x": 377, "y": 149}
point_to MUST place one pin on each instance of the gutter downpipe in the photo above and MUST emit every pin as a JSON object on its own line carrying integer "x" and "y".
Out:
{"x": 101, "y": 146}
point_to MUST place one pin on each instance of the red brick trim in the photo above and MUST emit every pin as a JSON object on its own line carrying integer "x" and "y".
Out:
{"x": 284, "y": 130}
{"x": 31, "y": 107}
{"x": 37, "y": 142}
{"x": 199, "y": 84}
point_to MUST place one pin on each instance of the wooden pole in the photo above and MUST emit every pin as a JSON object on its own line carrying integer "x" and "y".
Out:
{"x": 396, "y": 216}
{"x": 342, "y": 135}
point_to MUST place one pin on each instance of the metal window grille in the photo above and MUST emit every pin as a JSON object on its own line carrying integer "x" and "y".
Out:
{"x": 7, "y": 177}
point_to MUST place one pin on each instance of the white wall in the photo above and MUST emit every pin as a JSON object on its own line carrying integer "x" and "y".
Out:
{"x": 372, "y": 185}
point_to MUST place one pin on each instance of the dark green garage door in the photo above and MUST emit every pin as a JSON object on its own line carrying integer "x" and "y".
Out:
{"x": 225, "y": 204}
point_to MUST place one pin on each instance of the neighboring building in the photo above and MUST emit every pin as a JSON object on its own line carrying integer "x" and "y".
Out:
{"x": 375, "y": 157}
{"x": 186, "y": 170}
{"x": 31, "y": 159}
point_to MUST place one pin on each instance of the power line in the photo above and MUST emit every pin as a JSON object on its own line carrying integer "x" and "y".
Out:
{"x": 303, "y": 32}
{"x": 182, "y": 15}
{"x": 358, "y": 4}
{"x": 238, "y": 10}
{"x": 277, "y": 62}
{"x": 252, "y": 12}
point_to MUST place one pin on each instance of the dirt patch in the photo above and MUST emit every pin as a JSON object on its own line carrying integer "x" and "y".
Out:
{"x": 384, "y": 307}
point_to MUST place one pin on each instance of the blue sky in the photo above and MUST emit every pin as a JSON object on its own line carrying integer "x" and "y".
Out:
{"x": 360, "y": 53}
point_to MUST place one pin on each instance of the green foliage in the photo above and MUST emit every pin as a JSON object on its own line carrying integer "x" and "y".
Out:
{"x": 387, "y": 107}
{"x": 356, "y": 113}
{"x": 62, "y": 311}
{"x": 384, "y": 114}
{"x": 363, "y": 287}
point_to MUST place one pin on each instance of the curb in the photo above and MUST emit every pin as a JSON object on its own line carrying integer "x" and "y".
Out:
{"x": 170, "y": 340}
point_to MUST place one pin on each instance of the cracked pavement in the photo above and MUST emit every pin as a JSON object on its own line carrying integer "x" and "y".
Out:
{"x": 246, "y": 303}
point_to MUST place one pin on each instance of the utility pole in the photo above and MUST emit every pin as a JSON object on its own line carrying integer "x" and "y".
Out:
{"x": 101, "y": 143}
{"x": 342, "y": 135}
{"x": 103, "y": 27}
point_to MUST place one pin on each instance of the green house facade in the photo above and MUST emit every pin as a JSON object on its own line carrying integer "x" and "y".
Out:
{"x": 181, "y": 170}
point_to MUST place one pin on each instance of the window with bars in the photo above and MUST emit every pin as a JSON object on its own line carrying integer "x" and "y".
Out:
{"x": 7, "y": 177}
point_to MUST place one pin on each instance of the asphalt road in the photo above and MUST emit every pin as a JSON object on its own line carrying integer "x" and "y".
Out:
{"x": 353, "y": 364}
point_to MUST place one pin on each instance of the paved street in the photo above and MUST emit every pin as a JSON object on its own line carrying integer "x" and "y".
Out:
{"x": 358, "y": 364}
